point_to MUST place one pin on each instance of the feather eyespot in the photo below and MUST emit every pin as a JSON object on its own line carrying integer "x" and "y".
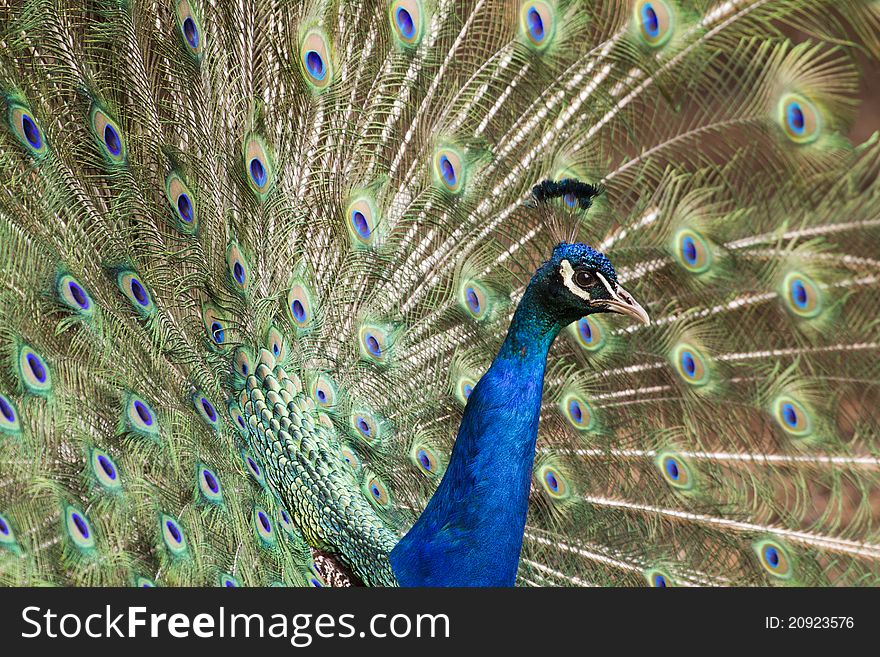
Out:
{"x": 276, "y": 343}
{"x": 299, "y": 305}
{"x": 315, "y": 60}
{"x": 692, "y": 251}
{"x": 801, "y": 295}
{"x": 172, "y": 535}
{"x": 425, "y": 459}
{"x": 9, "y": 422}
{"x": 259, "y": 170}
{"x": 655, "y": 21}
{"x": 361, "y": 214}
{"x": 799, "y": 118}
{"x": 377, "y": 492}
{"x": 792, "y": 416}
{"x": 775, "y": 558}
{"x": 104, "y": 470}
{"x": 209, "y": 485}
{"x": 350, "y": 457}
{"x": 140, "y": 416}
{"x": 373, "y": 343}
{"x": 78, "y": 529}
{"x": 215, "y": 326}
{"x": 26, "y": 129}
{"x": 464, "y": 388}
{"x": 449, "y": 170}
{"x": 263, "y": 526}
{"x": 659, "y": 579}
{"x": 206, "y": 410}
{"x": 239, "y": 271}
{"x": 675, "y": 471}
{"x": 190, "y": 29}
{"x": 590, "y": 333}
{"x": 73, "y": 295}
{"x": 474, "y": 299}
{"x": 365, "y": 426}
{"x": 108, "y": 134}
{"x": 324, "y": 391}
{"x": 33, "y": 371}
{"x": 144, "y": 583}
{"x": 227, "y": 581}
{"x": 182, "y": 203}
{"x": 577, "y": 412}
{"x": 286, "y": 522}
{"x": 406, "y": 17}
{"x": 553, "y": 482}
{"x": 690, "y": 365}
{"x": 130, "y": 284}
{"x": 7, "y": 536}
{"x": 538, "y": 23}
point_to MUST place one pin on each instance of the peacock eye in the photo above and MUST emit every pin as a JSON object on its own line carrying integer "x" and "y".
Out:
{"x": 584, "y": 278}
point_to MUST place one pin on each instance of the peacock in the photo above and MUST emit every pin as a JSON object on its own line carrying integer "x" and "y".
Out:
{"x": 439, "y": 292}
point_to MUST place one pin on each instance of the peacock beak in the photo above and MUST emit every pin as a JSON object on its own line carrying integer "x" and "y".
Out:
{"x": 622, "y": 302}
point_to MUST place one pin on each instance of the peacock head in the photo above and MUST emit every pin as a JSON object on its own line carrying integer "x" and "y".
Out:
{"x": 578, "y": 280}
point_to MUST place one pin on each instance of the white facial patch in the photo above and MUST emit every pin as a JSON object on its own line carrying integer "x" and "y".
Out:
{"x": 567, "y": 273}
{"x": 607, "y": 286}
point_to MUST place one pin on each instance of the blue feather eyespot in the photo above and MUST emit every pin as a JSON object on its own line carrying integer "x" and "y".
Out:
{"x": 7, "y": 536}
{"x": 9, "y": 422}
{"x": 361, "y": 220}
{"x": 377, "y": 493}
{"x": 254, "y": 469}
{"x": 286, "y": 523}
{"x": 209, "y": 485}
{"x": 553, "y": 482}
{"x": 658, "y": 579}
{"x": 449, "y": 170}
{"x": 237, "y": 418}
{"x": 239, "y": 271}
{"x": 463, "y": 389}
{"x": 108, "y": 134}
{"x": 474, "y": 299}
{"x": 73, "y": 295}
{"x": 315, "y": 60}
{"x": 227, "y": 581}
{"x": 26, "y": 129}
{"x": 775, "y": 558}
{"x": 263, "y": 526}
{"x": 407, "y": 20}
{"x": 365, "y": 425}
{"x": 206, "y": 410}
{"x": 324, "y": 391}
{"x": 792, "y": 416}
{"x": 690, "y": 365}
{"x": 801, "y": 295}
{"x": 425, "y": 459}
{"x": 215, "y": 326}
{"x": 538, "y": 23}
{"x": 243, "y": 363}
{"x": 299, "y": 305}
{"x": 799, "y": 118}
{"x": 276, "y": 343}
{"x": 140, "y": 416}
{"x": 78, "y": 529}
{"x": 675, "y": 471}
{"x": 692, "y": 251}
{"x": 131, "y": 285}
{"x": 105, "y": 471}
{"x": 655, "y": 21}
{"x": 577, "y": 412}
{"x": 190, "y": 29}
{"x": 144, "y": 583}
{"x": 182, "y": 203}
{"x": 33, "y": 371}
{"x": 314, "y": 579}
{"x": 172, "y": 535}
{"x": 590, "y": 333}
{"x": 373, "y": 343}
{"x": 258, "y": 167}
{"x": 350, "y": 457}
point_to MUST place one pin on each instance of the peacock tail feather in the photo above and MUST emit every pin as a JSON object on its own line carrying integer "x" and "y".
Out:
{"x": 256, "y": 255}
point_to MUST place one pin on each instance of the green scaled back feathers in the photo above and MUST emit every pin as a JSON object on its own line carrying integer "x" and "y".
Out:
{"x": 255, "y": 256}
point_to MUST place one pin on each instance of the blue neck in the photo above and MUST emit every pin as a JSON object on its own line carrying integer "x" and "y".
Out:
{"x": 471, "y": 532}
